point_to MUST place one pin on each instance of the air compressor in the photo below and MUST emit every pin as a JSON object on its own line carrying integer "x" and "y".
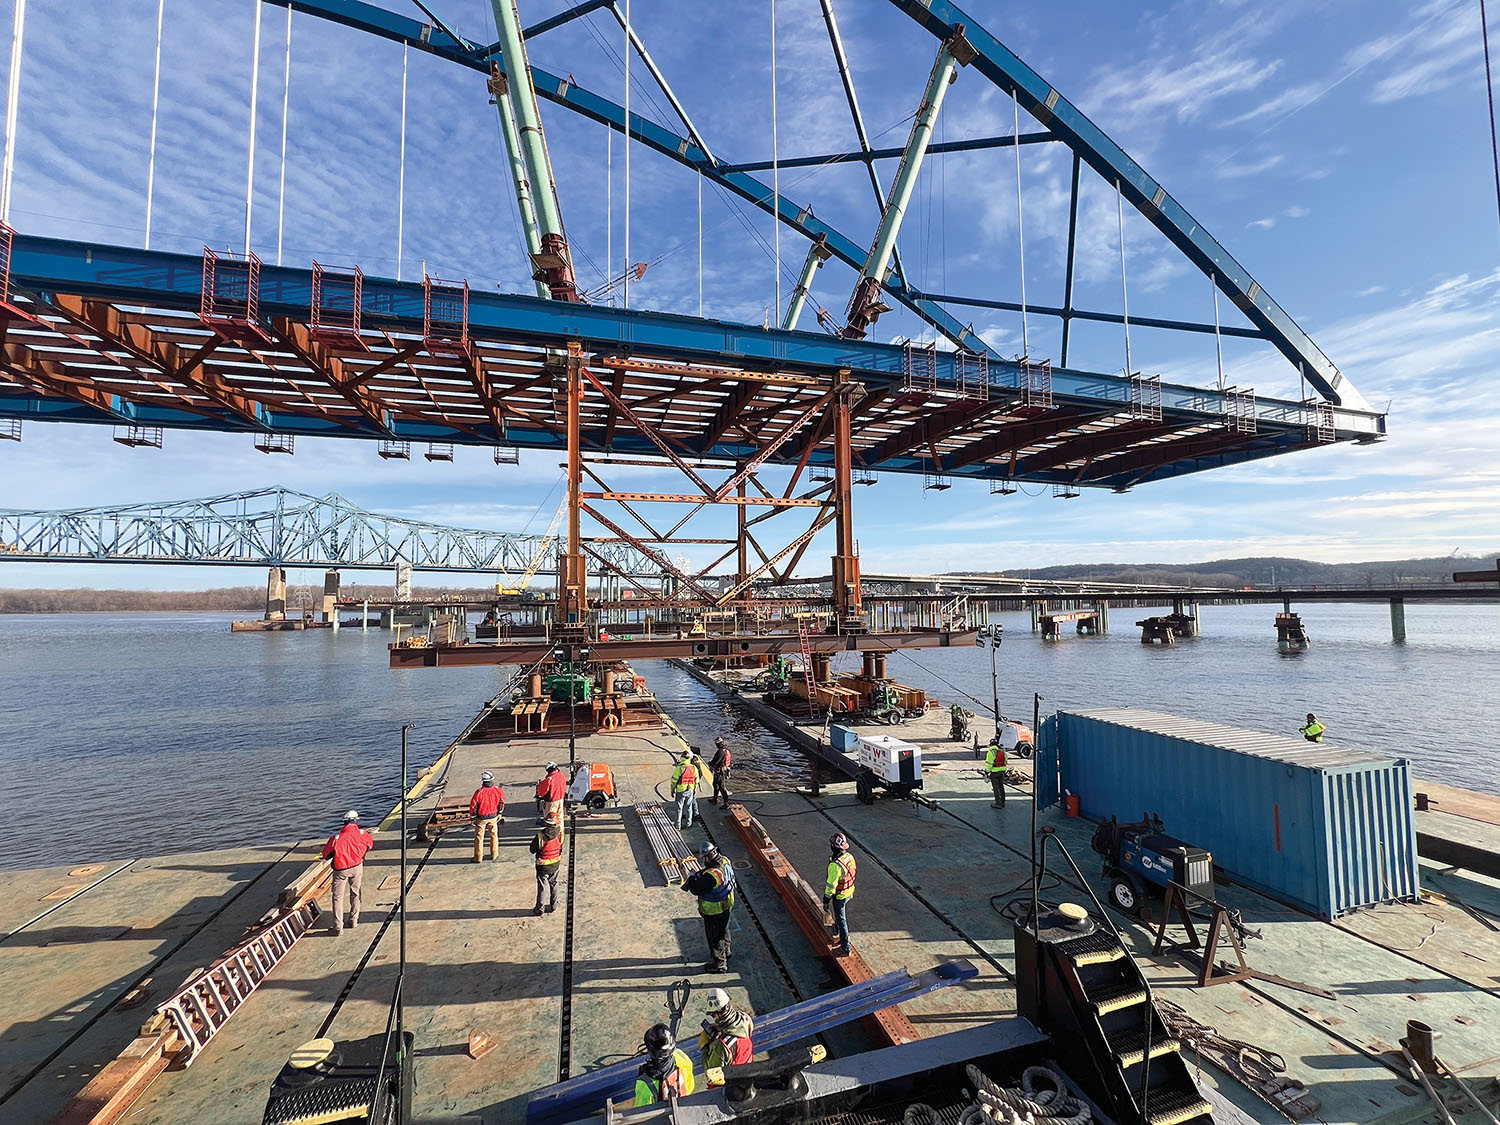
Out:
{"x": 1140, "y": 859}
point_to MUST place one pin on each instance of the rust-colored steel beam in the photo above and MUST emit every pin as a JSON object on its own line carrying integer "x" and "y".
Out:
{"x": 749, "y": 580}
{"x": 330, "y": 368}
{"x": 805, "y": 906}
{"x": 769, "y": 448}
{"x": 1018, "y": 435}
{"x": 663, "y": 648}
{"x": 660, "y": 440}
{"x": 572, "y": 574}
{"x": 846, "y": 586}
{"x": 1152, "y": 457}
{"x": 655, "y": 556}
{"x": 709, "y": 374}
{"x": 677, "y": 498}
{"x": 931, "y": 428}
{"x": 1098, "y": 443}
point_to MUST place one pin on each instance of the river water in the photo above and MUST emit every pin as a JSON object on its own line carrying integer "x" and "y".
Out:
{"x": 131, "y": 734}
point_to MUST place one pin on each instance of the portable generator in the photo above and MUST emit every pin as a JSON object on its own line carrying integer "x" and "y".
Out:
{"x": 1140, "y": 860}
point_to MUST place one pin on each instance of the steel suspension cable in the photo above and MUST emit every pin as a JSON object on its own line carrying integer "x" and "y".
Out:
{"x": 1020, "y": 226}
{"x": 1124, "y": 289}
{"x": 155, "y": 103}
{"x": 12, "y": 103}
{"x": 775, "y": 167}
{"x": 1489, "y": 86}
{"x": 1213, "y": 285}
{"x": 401, "y": 173}
{"x": 254, "y": 105}
{"x": 286, "y": 95}
{"x": 626, "y": 52}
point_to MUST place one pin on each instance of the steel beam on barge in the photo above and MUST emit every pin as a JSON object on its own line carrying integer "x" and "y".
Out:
{"x": 663, "y": 648}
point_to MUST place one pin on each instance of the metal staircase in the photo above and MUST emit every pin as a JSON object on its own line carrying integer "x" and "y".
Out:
{"x": 1077, "y": 982}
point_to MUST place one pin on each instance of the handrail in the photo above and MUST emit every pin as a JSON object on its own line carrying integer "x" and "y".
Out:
{"x": 1049, "y": 834}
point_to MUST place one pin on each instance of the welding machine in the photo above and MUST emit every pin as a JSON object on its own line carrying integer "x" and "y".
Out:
{"x": 1140, "y": 860}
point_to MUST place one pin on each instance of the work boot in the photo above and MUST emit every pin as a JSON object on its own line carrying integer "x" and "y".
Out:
{"x": 712, "y": 968}
{"x": 537, "y": 910}
{"x": 551, "y": 906}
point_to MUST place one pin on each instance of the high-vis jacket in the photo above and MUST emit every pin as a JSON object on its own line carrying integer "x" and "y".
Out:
{"x": 684, "y": 777}
{"x": 1313, "y": 731}
{"x": 348, "y": 847}
{"x": 487, "y": 801}
{"x": 649, "y": 1090}
{"x": 994, "y": 759}
{"x": 728, "y": 1043}
{"x": 723, "y": 760}
{"x": 551, "y": 787}
{"x": 840, "y": 877}
{"x": 714, "y": 886}
{"x": 548, "y": 847}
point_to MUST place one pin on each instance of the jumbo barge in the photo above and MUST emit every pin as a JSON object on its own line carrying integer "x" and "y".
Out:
{"x": 90, "y": 950}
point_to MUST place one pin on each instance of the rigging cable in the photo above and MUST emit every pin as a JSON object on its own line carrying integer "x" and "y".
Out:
{"x": 12, "y": 101}
{"x": 1015, "y": 105}
{"x": 1489, "y": 86}
{"x": 1213, "y": 285}
{"x": 155, "y": 102}
{"x": 401, "y": 174}
{"x": 286, "y": 94}
{"x": 626, "y": 53}
{"x": 254, "y": 102}
{"x": 1124, "y": 290}
{"x": 775, "y": 166}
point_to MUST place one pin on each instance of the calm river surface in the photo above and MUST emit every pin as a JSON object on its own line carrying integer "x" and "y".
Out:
{"x": 130, "y": 734}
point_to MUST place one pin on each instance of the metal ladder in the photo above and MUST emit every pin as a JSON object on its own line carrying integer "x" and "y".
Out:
{"x": 805, "y": 641}
{"x": 204, "y": 1004}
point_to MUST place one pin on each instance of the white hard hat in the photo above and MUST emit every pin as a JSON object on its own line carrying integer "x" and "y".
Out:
{"x": 551, "y": 766}
{"x": 486, "y": 776}
{"x": 350, "y": 815}
{"x": 718, "y": 1000}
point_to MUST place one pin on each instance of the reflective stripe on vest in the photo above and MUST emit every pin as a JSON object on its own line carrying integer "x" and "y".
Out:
{"x": 549, "y": 851}
{"x": 844, "y": 887}
{"x": 724, "y": 873}
{"x": 994, "y": 759}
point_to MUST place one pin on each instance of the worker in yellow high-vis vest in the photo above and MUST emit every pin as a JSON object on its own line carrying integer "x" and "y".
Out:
{"x": 840, "y": 888}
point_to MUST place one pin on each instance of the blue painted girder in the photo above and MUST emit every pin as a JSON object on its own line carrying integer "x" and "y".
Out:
{"x": 998, "y": 64}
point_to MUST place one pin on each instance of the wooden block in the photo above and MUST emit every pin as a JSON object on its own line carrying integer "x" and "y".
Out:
{"x": 135, "y": 997}
{"x": 480, "y": 1044}
{"x": 65, "y": 891}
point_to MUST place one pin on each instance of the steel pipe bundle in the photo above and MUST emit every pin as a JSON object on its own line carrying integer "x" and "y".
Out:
{"x": 671, "y": 850}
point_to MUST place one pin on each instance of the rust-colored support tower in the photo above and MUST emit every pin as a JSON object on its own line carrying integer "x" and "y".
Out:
{"x": 572, "y": 575}
{"x": 847, "y": 602}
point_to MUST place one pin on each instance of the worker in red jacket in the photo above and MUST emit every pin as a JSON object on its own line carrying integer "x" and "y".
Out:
{"x": 549, "y": 794}
{"x": 347, "y": 849}
{"x": 487, "y": 811}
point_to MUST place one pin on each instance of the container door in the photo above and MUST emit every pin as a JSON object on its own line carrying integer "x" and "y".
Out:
{"x": 1048, "y": 783}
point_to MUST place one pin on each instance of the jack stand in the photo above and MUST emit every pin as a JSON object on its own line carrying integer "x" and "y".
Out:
{"x": 1222, "y": 926}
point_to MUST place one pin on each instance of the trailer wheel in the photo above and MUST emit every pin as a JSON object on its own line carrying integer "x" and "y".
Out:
{"x": 1122, "y": 894}
{"x": 595, "y": 800}
{"x": 864, "y": 787}
{"x": 1025, "y": 750}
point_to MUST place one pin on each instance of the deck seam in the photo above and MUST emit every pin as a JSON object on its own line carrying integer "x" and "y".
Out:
{"x": 71, "y": 898}
{"x": 142, "y": 976}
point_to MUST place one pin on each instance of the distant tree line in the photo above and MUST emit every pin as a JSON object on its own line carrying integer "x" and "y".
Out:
{"x": 1269, "y": 571}
{"x": 227, "y": 599}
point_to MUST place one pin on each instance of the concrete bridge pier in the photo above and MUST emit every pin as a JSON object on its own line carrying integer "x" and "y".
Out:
{"x": 276, "y": 594}
{"x": 330, "y": 604}
{"x": 364, "y": 617}
{"x": 1101, "y": 623}
{"x": 1398, "y": 621}
{"x": 403, "y": 582}
{"x": 1037, "y": 609}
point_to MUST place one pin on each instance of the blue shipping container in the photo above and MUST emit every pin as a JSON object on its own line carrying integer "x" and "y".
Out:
{"x": 1324, "y": 828}
{"x": 845, "y": 739}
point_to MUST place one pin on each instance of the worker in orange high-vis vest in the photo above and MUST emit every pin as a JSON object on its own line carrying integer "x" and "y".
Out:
{"x": 347, "y": 849}
{"x": 547, "y": 846}
{"x": 723, "y": 762}
{"x": 840, "y": 888}
{"x": 487, "y": 811}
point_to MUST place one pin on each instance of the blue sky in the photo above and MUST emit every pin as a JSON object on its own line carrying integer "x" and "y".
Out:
{"x": 1339, "y": 150}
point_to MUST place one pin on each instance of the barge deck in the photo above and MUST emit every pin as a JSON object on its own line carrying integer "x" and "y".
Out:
{"x": 570, "y": 991}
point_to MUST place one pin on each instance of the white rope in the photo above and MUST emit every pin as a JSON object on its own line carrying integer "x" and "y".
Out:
{"x": 1213, "y": 285}
{"x": 254, "y": 103}
{"x": 401, "y": 174}
{"x": 286, "y": 94}
{"x": 1124, "y": 290}
{"x": 627, "y": 52}
{"x": 775, "y": 164}
{"x": 161, "y": 6}
{"x": 12, "y": 102}
{"x": 1020, "y": 226}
